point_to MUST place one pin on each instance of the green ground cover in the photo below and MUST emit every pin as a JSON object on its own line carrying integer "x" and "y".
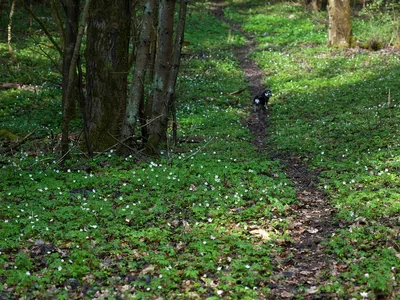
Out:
{"x": 199, "y": 222}
{"x": 206, "y": 219}
{"x": 331, "y": 108}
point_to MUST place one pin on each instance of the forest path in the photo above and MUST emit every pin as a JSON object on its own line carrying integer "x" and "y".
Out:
{"x": 303, "y": 265}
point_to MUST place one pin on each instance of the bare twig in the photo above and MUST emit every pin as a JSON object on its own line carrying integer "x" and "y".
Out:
{"x": 43, "y": 26}
{"x": 198, "y": 150}
{"x": 121, "y": 143}
{"x": 11, "y": 148}
{"x": 37, "y": 43}
{"x": 151, "y": 121}
{"x": 237, "y": 92}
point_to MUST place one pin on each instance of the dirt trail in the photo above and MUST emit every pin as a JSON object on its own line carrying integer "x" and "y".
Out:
{"x": 303, "y": 265}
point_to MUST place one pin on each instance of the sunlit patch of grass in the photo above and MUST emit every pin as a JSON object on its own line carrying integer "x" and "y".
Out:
{"x": 332, "y": 107}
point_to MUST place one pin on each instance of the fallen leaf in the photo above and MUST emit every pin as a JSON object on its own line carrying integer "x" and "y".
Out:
{"x": 306, "y": 273}
{"x": 180, "y": 245}
{"x": 264, "y": 235}
{"x": 312, "y": 290}
{"x": 148, "y": 269}
{"x": 285, "y": 294}
{"x": 312, "y": 230}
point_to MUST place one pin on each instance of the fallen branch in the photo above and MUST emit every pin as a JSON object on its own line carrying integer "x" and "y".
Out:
{"x": 190, "y": 139}
{"x": 20, "y": 86}
{"x": 198, "y": 150}
{"x": 237, "y": 92}
{"x": 11, "y": 148}
{"x": 122, "y": 143}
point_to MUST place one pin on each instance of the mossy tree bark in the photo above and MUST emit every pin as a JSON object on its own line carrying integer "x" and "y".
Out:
{"x": 106, "y": 70}
{"x": 339, "y": 34}
{"x": 162, "y": 68}
{"x": 136, "y": 94}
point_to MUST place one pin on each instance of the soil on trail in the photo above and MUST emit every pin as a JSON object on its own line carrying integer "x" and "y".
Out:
{"x": 303, "y": 266}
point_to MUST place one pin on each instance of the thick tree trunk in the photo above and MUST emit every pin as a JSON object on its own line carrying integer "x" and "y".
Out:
{"x": 159, "y": 111}
{"x": 136, "y": 94}
{"x": 339, "y": 23}
{"x": 107, "y": 67}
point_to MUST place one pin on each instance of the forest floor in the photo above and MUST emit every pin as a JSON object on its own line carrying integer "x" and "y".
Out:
{"x": 300, "y": 201}
{"x": 304, "y": 261}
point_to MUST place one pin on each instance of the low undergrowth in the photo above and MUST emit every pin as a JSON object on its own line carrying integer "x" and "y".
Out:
{"x": 200, "y": 222}
{"x": 206, "y": 218}
{"x": 339, "y": 111}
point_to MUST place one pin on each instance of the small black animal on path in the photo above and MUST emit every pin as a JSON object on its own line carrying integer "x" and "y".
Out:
{"x": 261, "y": 100}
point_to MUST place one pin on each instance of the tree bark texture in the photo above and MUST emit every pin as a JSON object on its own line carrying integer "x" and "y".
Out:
{"x": 72, "y": 11}
{"x": 159, "y": 111}
{"x": 136, "y": 94}
{"x": 71, "y": 88}
{"x": 9, "y": 29}
{"x": 145, "y": 107}
{"x": 176, "y": 58}
{"x": 106, "y": 69}
{"x": 339, "y": 34}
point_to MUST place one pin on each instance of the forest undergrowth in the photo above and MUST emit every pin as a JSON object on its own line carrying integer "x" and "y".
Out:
{"x": 207, "y": 218}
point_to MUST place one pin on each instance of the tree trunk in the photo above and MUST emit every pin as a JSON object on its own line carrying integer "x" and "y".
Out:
{"x": 137, "y": 90}
{"x": 145, "y": 107}
{"x": 71, "y": 58}
{"x": 339, "y": 23}
{"x": 316, "y": 5}
{"x": 159, "y": 111}
{"x": 176, "y": 58}
{"x": 9, "y": 29}
{"x": 107, "y": 67}
{"x": 69, "y": 109}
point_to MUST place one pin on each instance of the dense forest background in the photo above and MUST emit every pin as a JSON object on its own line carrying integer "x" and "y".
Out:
{"x": 135, "y": 165}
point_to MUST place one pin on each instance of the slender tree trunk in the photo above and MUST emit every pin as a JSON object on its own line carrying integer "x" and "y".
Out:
{"x": 9, "y": 29}
{"x": 339, "y": 23}
{"x": 134, "y": 35}
{"x": 145, "y": 107}
{"x": 398, "y": 35}
{"x": 137, "y": 90}
{"x": 179, "y": 39}
{"x": 71, "y": 60}
{"x": 159, "y": 112}
{"x": 107, "y": 58}
{"x": 316, "y": 5}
